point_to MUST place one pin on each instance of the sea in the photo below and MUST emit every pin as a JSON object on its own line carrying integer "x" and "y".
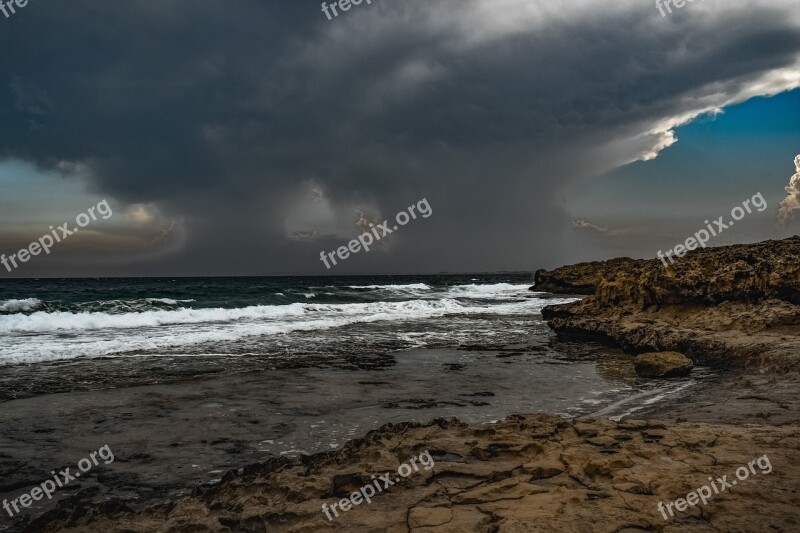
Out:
{"x": 109, "y": 332}
{"x": 284, "y": 318}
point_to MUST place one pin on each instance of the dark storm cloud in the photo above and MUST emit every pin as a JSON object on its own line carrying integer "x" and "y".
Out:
{"x": 222, "y": 113}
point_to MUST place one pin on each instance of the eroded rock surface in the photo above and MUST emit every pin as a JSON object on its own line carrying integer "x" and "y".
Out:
{"x": 526, "y": 473}
{"x": 735, "y": 305}
{"x": 577, "y": 279}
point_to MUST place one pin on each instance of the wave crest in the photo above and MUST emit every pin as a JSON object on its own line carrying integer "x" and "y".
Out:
{"x": 19, "y": 306}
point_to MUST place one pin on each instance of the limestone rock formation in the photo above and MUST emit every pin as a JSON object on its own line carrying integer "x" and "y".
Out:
{"x": 577, "y": 279}
{"x": 663, "y": 365}
{"x": 735, "y": 305}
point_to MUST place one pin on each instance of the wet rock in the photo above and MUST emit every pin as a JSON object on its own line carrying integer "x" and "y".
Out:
{"x": 663, "y": 365}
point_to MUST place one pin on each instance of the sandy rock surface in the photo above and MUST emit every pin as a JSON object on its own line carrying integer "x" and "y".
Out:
{"x": 527, "y": 473}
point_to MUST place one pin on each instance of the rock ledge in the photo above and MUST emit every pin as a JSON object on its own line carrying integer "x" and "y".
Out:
{"x": 736, "y": 305}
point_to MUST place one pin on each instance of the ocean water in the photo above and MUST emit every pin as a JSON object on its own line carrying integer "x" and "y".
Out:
{"x": 443, "y": 333}
{"x": 44, "y": 321}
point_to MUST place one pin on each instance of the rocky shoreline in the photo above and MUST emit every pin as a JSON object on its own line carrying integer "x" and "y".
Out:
{"x": 736, "y": 307}
{"x": 525, "y": 473}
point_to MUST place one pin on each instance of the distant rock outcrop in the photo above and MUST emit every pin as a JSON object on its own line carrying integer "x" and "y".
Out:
{"x": 736, "y": 305}
{"x": 577, "y": 279}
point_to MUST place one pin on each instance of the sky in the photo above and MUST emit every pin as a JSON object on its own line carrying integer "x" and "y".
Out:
{"x": 247, "y": 137}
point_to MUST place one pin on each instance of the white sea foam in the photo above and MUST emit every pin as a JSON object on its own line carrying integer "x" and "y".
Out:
{"x": 167, "y": 301}
{"x": 411, "y": 286}
{"x": 493, "y": 291}
{"x": 636, "y": 402}
{"x": 62, "y": 335}
{"x": 19, "y": 306}
{"x": 42, "y": 322}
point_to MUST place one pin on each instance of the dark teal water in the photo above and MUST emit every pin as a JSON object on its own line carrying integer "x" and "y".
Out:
{"x": 140, "y": 294}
